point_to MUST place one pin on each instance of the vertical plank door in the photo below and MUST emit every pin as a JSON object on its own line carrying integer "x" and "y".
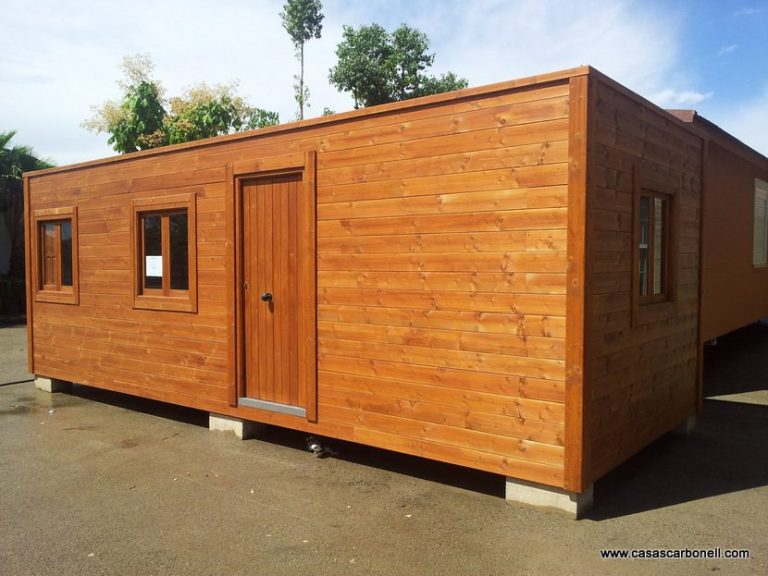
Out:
{"x": 271, "y": 294}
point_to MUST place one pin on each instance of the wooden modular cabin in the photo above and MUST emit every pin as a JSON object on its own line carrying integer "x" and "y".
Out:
{"x": 505, "y": 278}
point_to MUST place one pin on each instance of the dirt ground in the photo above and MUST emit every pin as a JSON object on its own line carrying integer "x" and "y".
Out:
{"x": 99, "y": 483}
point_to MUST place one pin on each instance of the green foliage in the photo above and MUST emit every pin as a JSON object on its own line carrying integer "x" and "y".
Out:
{"x": 364, "y": 67}
{"x": 18, "y": 159}
{"x": 378, "y": 67}
{"x": 302, "y": 19}
{"x": 14, "y": 161}
{"x": 408, "y": 60}
{"x": 444, "y": 83}
{"x": 145, "y": 119}
{"x": 204, "y": 112}
{"x": 300, "y": 94}
{"x": 260, "y": 118}
{"x": 137, "y": 121}
{"x": 140, "y": 123}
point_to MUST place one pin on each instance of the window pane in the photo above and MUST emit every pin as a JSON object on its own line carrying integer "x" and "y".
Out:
{"x": 66, "y": 253}
{"x": 644, "y": 229}
{"x": 153, "y": 251}
{"x": 760, "y": 230}
{"x": 179, "y": 252}
{"x": 48, "y": 237}
{"x": 659, "y": 245}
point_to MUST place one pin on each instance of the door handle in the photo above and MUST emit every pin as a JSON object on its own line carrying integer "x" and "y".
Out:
{"x": 267, "y": 297}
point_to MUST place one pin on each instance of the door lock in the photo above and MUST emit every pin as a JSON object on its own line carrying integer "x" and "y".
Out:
{"x": 267, "y": 297}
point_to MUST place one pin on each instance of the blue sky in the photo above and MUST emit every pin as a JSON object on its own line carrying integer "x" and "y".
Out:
{"x": 62, "y": 57}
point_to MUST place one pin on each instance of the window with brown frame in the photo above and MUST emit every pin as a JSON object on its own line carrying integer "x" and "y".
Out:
{"x": 653, "y": 246}
{"x": 55, "y": 249}
{"x": 164, "y": 243}
{"x": 760, "y": 228}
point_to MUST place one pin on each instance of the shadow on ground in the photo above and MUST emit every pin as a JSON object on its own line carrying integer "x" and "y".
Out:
{"x": 159, "y": 409}
{"x": 467, "y": 478}
{"x": 460, "y": 477}
{"x": 725, "y": 453}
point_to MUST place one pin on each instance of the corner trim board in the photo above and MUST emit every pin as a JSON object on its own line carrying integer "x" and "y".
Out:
{"x": 576, "y": 439}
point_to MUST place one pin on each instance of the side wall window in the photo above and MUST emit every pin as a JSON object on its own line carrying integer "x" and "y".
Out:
{"x": 653, "y": 246}
{"x": 55, "y": 269}
{"x": 760, "y": 230}
{"x": 165, "y": 256}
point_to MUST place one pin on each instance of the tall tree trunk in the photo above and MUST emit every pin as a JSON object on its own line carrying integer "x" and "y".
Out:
{"x": 301, "y": 85}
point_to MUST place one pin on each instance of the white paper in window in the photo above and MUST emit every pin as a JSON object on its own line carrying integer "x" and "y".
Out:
{"x": 154, "y": 266}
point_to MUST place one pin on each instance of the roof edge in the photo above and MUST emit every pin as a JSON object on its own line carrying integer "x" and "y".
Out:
{"x": 456, "y": 95}
{"x": 714, "y": 132}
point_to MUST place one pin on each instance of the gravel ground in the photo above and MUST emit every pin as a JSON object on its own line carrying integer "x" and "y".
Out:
{"x": 99, "y": 483}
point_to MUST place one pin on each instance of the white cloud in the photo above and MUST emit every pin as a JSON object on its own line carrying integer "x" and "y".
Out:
{"x": 60, "y": 58}
{"x": 628, "y": 41}
{"x": 670, "y": 98}
{"x": 727, "y": 49}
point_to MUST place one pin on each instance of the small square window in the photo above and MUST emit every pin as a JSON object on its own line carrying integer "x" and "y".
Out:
{"x": 55, "y": 272}
{"x": 164, "y": 244}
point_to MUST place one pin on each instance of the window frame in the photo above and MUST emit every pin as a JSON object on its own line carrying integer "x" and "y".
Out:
{"x": 651, "y": 247}
{"x": 164, "y": 298}
{"x": 59, "y": 294}
{"x": 760, "y": 194}
{"x": 655, "y": 307}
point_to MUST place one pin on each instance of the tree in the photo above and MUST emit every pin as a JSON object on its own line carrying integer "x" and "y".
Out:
{"x": 136, "y": 122}
{"x": 302, "y": 19}
{"x": 378, "y": 67}
{"x": 205, "y": 111}
{"x": 13, "y": 162}
{"x": 17, "y": 160}
{"x": 145, "y": 119}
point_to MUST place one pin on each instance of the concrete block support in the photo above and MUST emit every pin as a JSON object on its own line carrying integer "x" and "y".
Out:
{"x": 243, "y": 429}
{"x": 541, "y": 496}
{"x": 52, "y": 384}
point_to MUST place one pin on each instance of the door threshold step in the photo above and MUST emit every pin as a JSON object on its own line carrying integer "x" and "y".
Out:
{"x": 273, "y": 406}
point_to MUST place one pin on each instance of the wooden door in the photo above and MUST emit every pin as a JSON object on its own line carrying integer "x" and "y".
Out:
{"x": 272, "y": 293}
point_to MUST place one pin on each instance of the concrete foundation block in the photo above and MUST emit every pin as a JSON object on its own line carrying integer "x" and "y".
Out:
{"x": 243, "y": 429}
{"x": 541, "y": 496}
{"x": 686, "y": 427}
{"x": 52, "y": 384}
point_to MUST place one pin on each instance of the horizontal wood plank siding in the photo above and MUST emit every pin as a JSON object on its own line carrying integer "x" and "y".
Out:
{"x": 441, "y": 279}
{"x": 734, "y": 291}
{"x": 641, "y": 363}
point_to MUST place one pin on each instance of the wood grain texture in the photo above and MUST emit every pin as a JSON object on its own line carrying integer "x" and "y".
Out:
{"x": 735, "y": 292}
{"x": 228, "y": 279}
{"x": 28, "y": 263}
{"x": 271, "y": 266}
{"x": 640, "y": 360}
{"x": 434, "y": 258}
{"x": 576, "y": 396}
